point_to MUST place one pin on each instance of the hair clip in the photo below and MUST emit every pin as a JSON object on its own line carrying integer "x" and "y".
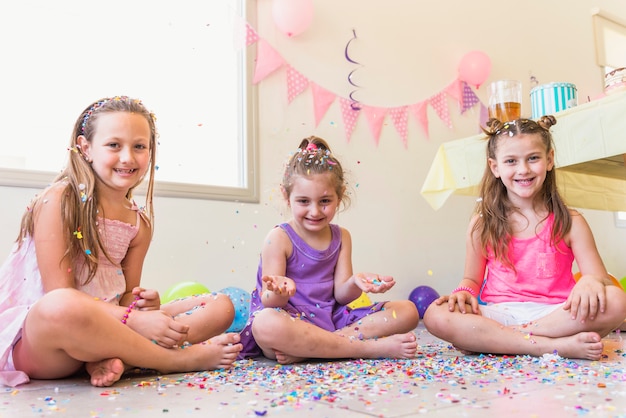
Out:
{"x": 311, "y": 147}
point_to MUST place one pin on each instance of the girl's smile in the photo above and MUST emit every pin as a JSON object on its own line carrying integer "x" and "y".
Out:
{"x": 313, "y": 202}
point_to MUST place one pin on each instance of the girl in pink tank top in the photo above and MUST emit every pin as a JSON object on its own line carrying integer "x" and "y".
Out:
{"x": 518, "y": 294}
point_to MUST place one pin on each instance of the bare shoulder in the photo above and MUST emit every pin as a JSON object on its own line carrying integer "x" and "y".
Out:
{"x": 578, "y": 220}
{"x": 50, "y": 198}
{"x": 277, "y": 239}
{"x": 145, "y": 229}
{"x": 345, "y": 234}
{"x": 580, "y": 231}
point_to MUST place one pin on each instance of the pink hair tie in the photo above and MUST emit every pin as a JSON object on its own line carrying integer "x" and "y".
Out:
{"x": 311, "y": 147}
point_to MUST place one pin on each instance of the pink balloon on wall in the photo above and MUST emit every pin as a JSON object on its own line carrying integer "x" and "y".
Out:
{"x": 292, "y": 16}
{"x": 474, "y": 68}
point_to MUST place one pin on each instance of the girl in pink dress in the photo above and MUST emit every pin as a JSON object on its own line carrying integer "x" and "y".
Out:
{"x": 71, "y": 293}
{"x": 305, "y": 279}
{"x": 521, "y": 245}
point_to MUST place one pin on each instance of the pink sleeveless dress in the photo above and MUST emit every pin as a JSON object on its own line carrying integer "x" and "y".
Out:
{"x": 21, "y": 287}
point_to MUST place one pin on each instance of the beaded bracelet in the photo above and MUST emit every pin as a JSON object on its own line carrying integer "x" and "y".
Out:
{"x": 467, "y": 289}
{"x": 130, "y": 308}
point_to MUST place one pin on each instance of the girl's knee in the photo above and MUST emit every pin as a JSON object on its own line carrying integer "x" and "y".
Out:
{"x": 266, "y": 323}
{"x": 61, "y": 306}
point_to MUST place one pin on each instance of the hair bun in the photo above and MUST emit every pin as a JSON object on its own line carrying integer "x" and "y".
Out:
{"x": 546, "y": 121}
{"x": 492, "y": 126}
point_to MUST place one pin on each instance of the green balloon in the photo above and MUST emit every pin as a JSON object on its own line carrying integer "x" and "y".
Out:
{"x": 183, "y": 290}
{"x": 623, "y": 283}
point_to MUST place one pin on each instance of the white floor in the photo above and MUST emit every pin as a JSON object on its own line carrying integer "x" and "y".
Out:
{"x": 439, "y": 382}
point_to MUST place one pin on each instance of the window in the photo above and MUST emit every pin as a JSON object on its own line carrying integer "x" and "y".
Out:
{"x": 187, "y": 61}
{"x": 610, "y": 40}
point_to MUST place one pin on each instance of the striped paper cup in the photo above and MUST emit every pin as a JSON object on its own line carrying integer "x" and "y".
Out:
{"x": 551, "y": 98}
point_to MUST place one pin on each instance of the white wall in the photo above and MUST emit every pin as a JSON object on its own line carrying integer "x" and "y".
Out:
{"x": 409, "y": 50}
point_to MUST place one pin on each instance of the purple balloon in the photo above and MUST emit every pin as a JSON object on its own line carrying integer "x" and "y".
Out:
{"x": 422, "y": 297}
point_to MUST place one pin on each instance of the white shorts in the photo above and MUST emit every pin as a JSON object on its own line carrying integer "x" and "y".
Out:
{"x": 518, "y": 313}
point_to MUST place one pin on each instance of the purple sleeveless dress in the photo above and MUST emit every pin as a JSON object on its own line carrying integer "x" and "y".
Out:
{"x": 313, "y": 271}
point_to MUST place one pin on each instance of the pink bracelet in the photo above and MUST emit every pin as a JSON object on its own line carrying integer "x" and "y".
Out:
{"x": 465, "y": 288}
{"x": 128, "y": 311}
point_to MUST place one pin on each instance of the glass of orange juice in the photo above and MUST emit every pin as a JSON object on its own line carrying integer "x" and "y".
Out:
{"x": 505, "y": 100}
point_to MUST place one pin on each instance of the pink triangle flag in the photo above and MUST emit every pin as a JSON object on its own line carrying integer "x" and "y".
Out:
{"x": 439, "y": 103}
{"x": 419, "y": 110}
{"x": 268, "y": 60}
{"x": 399, "y": 118}
{"x": 375, "y": 118}
{"x": 455, "y": 90}
{"x": 251, "y": 35}
{"x": 349, "y": 115}
{"x": 469, "y": 98}
{"x": 296, "y": 83}
{"x": 322, "y": 99}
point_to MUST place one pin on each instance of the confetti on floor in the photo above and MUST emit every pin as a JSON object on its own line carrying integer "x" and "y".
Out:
{"x": 438, "y": 380}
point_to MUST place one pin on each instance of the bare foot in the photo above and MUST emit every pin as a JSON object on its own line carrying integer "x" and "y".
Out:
{"x": 465, "y": 352}
{"x": 395, "y": 346}
{"x": 219, "y": 352}
{"x": 283, "y": 358}
{"x": 584, "y": 345}
{"x": 105, "y": 372}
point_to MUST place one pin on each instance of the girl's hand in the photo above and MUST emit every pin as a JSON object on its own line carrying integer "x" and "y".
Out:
{"x": 280, "y": 285}
{"x": 587, "y": 298}
{"x": 149, "y": 299}
{"x": 373, "y": 283}
{"x": 158, "y": 327}
{"x": 462, "y": 300}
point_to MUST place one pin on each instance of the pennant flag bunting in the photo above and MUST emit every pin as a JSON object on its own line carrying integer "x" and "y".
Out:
{"x": 399, "y": 118}
{"x": 420, "y": 111}
{"x": 322, "y": 99}
{"x": 439, "y": 103}
{"x": 375, "y": 117}
{"x": 251, "y": 35}
{"x": 455, "y": 90}
{"x": 296, "y": 83}
{"x": 469, "y": 98}
{"x": 269, "y": 60}
{"x": 349, "y": 115}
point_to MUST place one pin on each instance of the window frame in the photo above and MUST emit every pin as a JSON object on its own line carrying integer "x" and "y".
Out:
{"x": 249, "y": 173}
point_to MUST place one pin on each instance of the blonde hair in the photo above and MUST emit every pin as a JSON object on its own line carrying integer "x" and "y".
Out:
{"x": 494, "y": 206}
{"x": 315, "y": 157}
{"x": 79, "y": 200}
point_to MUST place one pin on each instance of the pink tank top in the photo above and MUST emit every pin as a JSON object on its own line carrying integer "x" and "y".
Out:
{"x": 543, "y": 271}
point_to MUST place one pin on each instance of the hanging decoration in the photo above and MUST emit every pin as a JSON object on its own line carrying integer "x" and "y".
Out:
{"x": 355, "y": 104}
{"x": 292, "y": 17}
{"x": 473, "y": 71}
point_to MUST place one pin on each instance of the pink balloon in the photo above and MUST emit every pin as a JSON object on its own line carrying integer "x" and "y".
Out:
{"x": 474, "y": 68}
{"x": 292, "y": 16}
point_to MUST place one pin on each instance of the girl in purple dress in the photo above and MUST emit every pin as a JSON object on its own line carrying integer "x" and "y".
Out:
{"x": 305, "y": 279}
